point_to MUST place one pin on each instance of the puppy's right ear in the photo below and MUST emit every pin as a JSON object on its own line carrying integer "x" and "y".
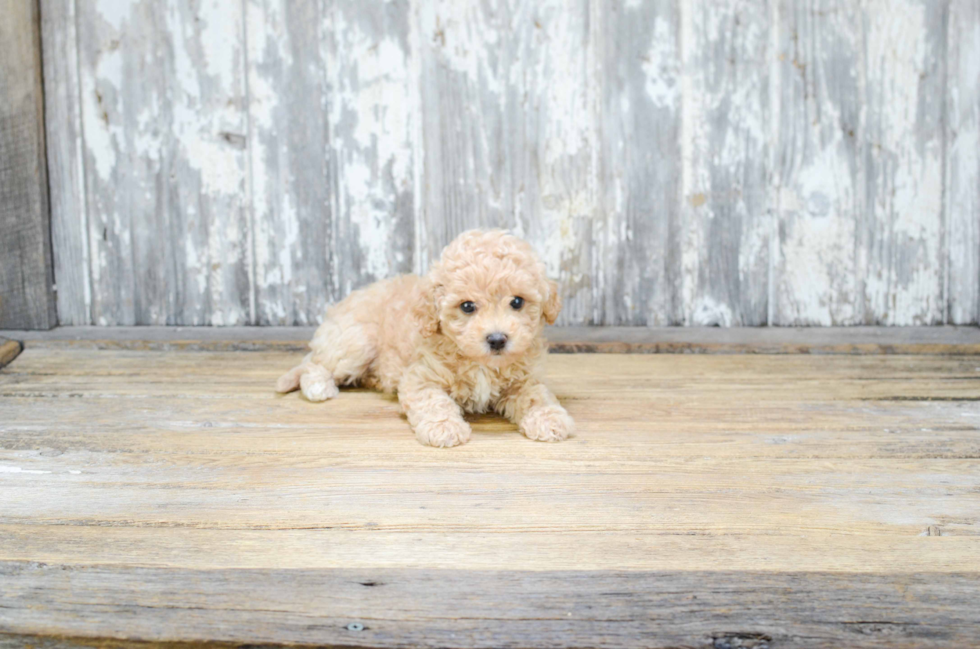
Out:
{"x": 552, "y": 305}
{"x": 424, "y": 307}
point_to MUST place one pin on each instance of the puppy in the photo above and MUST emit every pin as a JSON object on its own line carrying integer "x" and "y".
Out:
{"x": 465, "y": 338}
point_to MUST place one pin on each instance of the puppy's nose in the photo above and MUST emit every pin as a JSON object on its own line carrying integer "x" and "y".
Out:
{"x": 497, "y": 341}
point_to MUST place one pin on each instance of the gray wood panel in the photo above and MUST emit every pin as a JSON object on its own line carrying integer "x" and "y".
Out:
{"x": 66, "y": 173}
{"x": 732, "y": 163}
{"x": 163, "y": 115}
{"x": 409, "y": 608}
{"x": 944, "y": 341}
{"x": 507, "y": 131}
{"x": 818, "y": 171}
{"x": 290, "y": 169}
{"x": 962, "y": 198}
{"x": 26, "y": 279}
{"x": 725, "y": 136}
{"x": 638, "y": 234}
{"x": 371, "y": 117}
{"x": 902, "y": 102}
{"x": 860, "y": 164}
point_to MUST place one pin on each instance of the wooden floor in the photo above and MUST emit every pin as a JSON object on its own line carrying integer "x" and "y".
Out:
{"x": 706, "y": 501}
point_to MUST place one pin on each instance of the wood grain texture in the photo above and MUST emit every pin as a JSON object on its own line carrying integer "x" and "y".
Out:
{"x": 962, "y": 199}
{"x": 507, "y": 130}
{"x": 66, "y": 168}
{"x": 860, "y": 164}
{"x": 368, "y": 60}
{"x": 903, "y": 140}
{"x": 173, "y": 497}
{"x": 948, "y": 341}
{"x": 163, "y": 114}
{"x": 725, "y": 139}
{"x": 405, "y": 608}
{"x": 291, "y": 168}
{"x": 638, "y": 241}
{"x": 27, "y": 297}
{"x": 694, "y": 163}
{"x": 819, "y": 170}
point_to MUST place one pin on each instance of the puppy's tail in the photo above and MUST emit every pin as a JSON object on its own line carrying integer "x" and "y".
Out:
{"x": 290, "y": 380}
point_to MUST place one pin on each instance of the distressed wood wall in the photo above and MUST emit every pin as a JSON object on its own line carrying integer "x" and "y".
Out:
{"x": 26, "y": 279}
{"x": 690, "y": 162}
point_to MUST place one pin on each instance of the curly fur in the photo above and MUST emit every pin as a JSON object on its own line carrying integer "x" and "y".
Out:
{"x": 409, "y": 336}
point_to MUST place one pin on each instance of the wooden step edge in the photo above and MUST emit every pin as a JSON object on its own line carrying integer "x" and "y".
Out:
{"x": 9, "y": 350}
{"x": 941, "y": 340}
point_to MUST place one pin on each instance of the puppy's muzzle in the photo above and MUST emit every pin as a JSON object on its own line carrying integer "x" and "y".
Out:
{"x": 497, "y": 341}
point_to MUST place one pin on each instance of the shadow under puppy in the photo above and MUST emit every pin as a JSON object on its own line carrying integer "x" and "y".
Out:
{"x": 465, "y": 338}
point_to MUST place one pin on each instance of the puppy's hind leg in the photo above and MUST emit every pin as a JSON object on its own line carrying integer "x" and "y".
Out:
{"x": 317, "y": 383}
{"x": 314, "y": 380}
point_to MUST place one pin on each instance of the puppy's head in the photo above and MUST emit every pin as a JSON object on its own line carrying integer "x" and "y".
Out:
{"x": 489, "y": 295}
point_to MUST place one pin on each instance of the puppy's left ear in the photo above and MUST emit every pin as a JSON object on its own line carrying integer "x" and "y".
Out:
{"x": 424, "y": 307}
{"x": 552, "y": 303}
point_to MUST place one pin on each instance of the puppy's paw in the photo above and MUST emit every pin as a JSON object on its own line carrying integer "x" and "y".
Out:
{"x": 444, "y": 433}
{"x": 316, "y": 387}
{"x": 547, "y": 424}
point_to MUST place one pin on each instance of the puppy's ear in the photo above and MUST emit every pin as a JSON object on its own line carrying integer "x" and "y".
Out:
{"x": 424, "y": 307}
{"x": 552, "y": 303}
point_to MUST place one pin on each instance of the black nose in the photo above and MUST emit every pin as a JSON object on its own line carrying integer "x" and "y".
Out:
{"x": 497, "y": 341}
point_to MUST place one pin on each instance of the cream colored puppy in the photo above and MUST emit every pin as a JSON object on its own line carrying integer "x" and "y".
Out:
{"x": 464, "y": 338}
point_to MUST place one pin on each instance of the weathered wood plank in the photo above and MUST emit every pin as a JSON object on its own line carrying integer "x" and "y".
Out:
{"x": 66, "y": 171}
{"x": 172, "y": 496}
{"x": 903, "y": 139}
{"x": 379, "y": 131}
{"x": 27, "y": 297}
{"x": 164, "y": 122}
{"x": 291, "y": 167}
{"x": 368, "y": 58}
{"x": 860, "y": 164}
{"x": 820, "y": 171}
{"x": 198, "y": 441}
{"x": 638, "y": 238}
{"x": 508, "y": 131}
{"x": 409, "y": 608}
{"x": 962, "y": 200}
{"x": 725, "y": 139}
{"x": 699, "y": 340}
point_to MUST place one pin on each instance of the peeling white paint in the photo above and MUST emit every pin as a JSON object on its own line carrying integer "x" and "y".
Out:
{"x": 963, "y": 163}
{"x": 661, "y": 67}
{"x": 710, "y": 313}
{"x": 795, "y": 156}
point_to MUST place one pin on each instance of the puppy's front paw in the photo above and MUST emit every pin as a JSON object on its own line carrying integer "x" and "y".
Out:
{"x": 547, "y": 424}
{"x": 444, "y": 433}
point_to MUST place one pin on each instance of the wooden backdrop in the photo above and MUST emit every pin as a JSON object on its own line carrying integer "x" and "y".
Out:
{"x": 698, "y": 162}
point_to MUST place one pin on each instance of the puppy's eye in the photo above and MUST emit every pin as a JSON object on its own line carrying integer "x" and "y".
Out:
{"x": 467, "y": 307}
{"x": 517, "y": 303}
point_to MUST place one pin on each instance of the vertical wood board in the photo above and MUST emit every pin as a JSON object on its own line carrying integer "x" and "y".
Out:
{"x": 725, "y": 140}
{"x": 962, "y": 198}
{"x": 26, "y": 280}
{"x": 163, "y": 115}
{"x": 368, "y": 60}
{"x": 903, "y": 101}
{"x": 290, "y": 170}
{"x": 66, "y": 172}
{"x": 638, "y": 237}
{"x": 818, "y": 171}
{"x": 507, "y": 131}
